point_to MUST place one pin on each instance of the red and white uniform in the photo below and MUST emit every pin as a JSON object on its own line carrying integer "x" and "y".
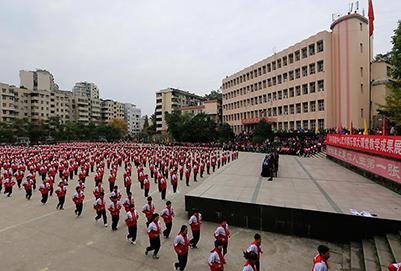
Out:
{"x": 249, "y": 266}
{"x": 82, "y": 186}
{"x": 115, "y": 207}
{"x": 255, "y": 247}
{"x": 99, "y": 204}
{"x": 148, "y": 210}
{"x": 61, "y": 191}
{"x": 27, "y": 184}
{"x": 154, "y": 229}
{"x": 78, "y": 197}
{"x": 131, "y": 218}
{"x": 195, "y": 222}
{"x": 44, "y": 188}
{"x": 394, "y": 267}
{"x": 167, "y": 214}
{"x": 97, "y": 191}
{"x": 115, "y": 193}
{"x": 127, "y": 202}
{"x": 319, "y": 264}
{"x": 216, "y": 260}
{"x": 181, "y": 244}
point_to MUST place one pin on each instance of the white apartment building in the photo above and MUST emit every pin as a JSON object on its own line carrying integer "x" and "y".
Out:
{"x": 89, "y": 90}
{"x": 133, "y": 118}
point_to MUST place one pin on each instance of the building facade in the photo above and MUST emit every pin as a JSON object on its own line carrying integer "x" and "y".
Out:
{"x": 212, "y": 108}
{"x": 38, "y": 80}
{"x": 110, "y": 109}
{"x": 170, "y": 98}
{"x": 132, "y": 116}
{"x": 321, "y": 81}
{"x": 89, "y": 90}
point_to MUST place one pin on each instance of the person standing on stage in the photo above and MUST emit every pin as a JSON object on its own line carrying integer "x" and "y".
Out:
{"x": 61, "y": 190}
{"x": 320, "y": 260}
{"x": 250, "y": 264}
{"x": 167, "y": 214}
{"x": 216, "y": 258}
{"x": 100, "y": 207}
{"x": 148, "y": 209}
{"x": 131, "y": 219}
{"x": 114, "y": 209}
{"x": 222, "y": 233}
{"x": 255, "y": 247}
{"x": 154, "y": 230}
{"x": 78, "y": 198}
{"x": 195, "y": 221}
{"x": 181, "y": 245}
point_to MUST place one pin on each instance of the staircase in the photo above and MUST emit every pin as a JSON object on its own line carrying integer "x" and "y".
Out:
{"x": 373, "y": 254}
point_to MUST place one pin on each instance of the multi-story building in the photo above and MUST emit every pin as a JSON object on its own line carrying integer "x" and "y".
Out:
{"x": 212, "y": 108}
{"x": 89, "y": 90}
{"x": 110, "y": 109}
{"x": 37, "y": 80}
{"x": 170, "y": 98}
{"x": 133, "y": 118}
{"x": 321, "y": 81}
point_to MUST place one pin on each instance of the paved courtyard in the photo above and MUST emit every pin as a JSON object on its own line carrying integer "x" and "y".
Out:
{"x": 40, "y": 238}
{"x": 302, "y": 183}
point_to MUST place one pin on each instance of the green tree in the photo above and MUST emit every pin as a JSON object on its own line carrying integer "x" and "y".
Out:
{"x": 214, "y": 95}
{"x": 6, "y": 132}
{"x": 392, "y": 108}
{"x": 226, "y": 132}
{"x": 262, "y": 130}
{"x": 383, "y": 57}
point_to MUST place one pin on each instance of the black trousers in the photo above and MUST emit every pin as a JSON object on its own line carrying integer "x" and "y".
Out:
{"x": 175, "y": 187}
{"x": 225, "y": 247}
{"x": 146, "y": 192}
{"x": 115, "y": 219}
{"x": 71, "y": 174}
{"x": 187, "y": 181}
{"x": 61, "y": 201}
{"x": 92, "y": 168}
{"x": 195, "y": 174}
{"x": 28, "y": 194}
{"x": 181, "y": 174}
{"x": 44, "y": 198}
{"x": 208, "y": 170}
{"x": 111, "y": 186}
{"x": 8, "y": 190}
{"x": 132, "y": 233}
{"x": 196, "y": 235}
{"x": 201, "y": 173}
{"x": 154, "y": 245}
{"x": 51, "y": 190}
{"x": 128, "y": 188}
{"x": 257, "y": 264}
{"x": 1, "y": 186}
{"x": 101, "y": 213}
{"x": 142, "y": 185}
{"x": 78, "y": 208}
{"x": 167, "y": 231}
{"x": 151, "y": 174}
{"x": 163, "y": 192}
{"x": 182, "y": 261}
{"x": 19, "y": 183}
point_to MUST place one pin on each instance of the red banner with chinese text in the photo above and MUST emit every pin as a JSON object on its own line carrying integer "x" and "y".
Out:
{"x": 383, "y": 145}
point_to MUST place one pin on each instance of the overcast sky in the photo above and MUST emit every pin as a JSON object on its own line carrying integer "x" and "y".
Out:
{"x": 132, "y": 48}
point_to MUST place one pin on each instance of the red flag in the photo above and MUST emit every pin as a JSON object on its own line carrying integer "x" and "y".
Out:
{"x": 371, "y": 18}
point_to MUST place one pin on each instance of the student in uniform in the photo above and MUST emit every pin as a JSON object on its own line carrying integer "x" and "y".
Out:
{"x": 78, "y": 198}
{"x": 114, "y": 209}
{"x": 181, "y": 245}
{"x": 255, "y": 247}
{"x": 167, "y": 214}
{"x": 195, "y": 221}
{"x": 216, "y": 259}
{"x": 148, "y": 209}
{"x": 154, "y": 230}
{"x": 61, "y": 190}
{"x": 27, "y": 184}
{"x": 251, "y": 259}
{"x": 320, "y": 260}
{"x": 394, "y": 267}
{"x": 44, "y": 188}
{"x": 222, "y": 233}
{"x": 100, "y": 207}
{"x": 131, "y": 219}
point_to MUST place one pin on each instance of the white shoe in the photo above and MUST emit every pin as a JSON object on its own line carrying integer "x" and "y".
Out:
{"x": 105, "y": 225}
{"x": 134, "y": 242}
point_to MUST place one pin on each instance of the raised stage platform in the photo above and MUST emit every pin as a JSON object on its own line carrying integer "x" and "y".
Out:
{"x": 311, "y": 197}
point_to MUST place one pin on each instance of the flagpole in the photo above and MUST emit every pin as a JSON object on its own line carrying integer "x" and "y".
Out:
{"x": 370, "y": 73}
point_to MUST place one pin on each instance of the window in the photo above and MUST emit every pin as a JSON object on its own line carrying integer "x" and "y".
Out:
{"x": 274, "y": 96}
{"x": 278, "y": 63}
{"x": 312, "y": 87}
{"x": 285, "y": 61}
{"x": 361, "y": 112}
{"x": 274, "y": 65}
{"x": 280, "y": 95}
{"x": 305, "y": 71}
{"x": 361, "y": 71}
{"x": 285, "y": 93}
{"x": 320, "y": 85}
{"x": 320, "y": 105}
{"x": 304, "y": 52}
{"x": 320, "y": 66}
{"x": 312, "y": 49}
{"x": 361, "y": 47}
{"x": 292, "y": 109}
{"x": 285, "y": 77}
{"x": 280, "y": 110}
{"x": 291, "y": 58}
{"x": 274, "y": 81}
{"x": 291, "y": 73}
{"x": 291, "y": 92}
{"x": 361, "y": 88}
{"x": 313, "y": 106}
{"x": 279, "y": 79}
{"x": 297, "y": 56}
{"x": 305, "y": 89}
{"x": 269, "y": 68}
{"x": 305, "y": 107}
{"x": 388, "y": 71}
{"x": 269, "y": 97}
{"x": 320, "y": 124}
{"x": 298, "y": 108}
{"x": 269, "y": 82}
{"x": 312, "y": 68}
{"x": 298, "y": 90}
{"x": 305, "y": 124}
{"x": 313, "y": 124}
{"x": 360, "y": 26}
{"x": 292, "y": 125}
{"x": 320, "y": 46}
{"x": 297, "y": 73}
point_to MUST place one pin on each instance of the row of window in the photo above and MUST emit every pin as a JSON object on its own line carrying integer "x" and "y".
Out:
{"x": 282, "y": 78}
{"x": 279, "y": 95}
{"x": 277, "y": 64}
{"x": 286, "y": 125}
{"x": 291, "y": 109}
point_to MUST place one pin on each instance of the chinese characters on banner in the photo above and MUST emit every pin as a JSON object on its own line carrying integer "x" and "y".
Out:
{"x": 383, "y": 145}
{"x": 383, "y": 167}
